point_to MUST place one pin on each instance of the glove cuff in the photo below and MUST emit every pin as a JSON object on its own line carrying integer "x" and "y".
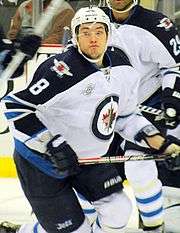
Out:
{"x": 57, "y": 140}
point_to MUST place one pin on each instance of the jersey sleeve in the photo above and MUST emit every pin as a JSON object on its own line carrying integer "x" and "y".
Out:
{"x": 166, "y": 33}
{"x": 130, "y": 121}
{"x": 165, "y": 30}
{"x": 154, "y": 51}
{"x": 22, "y": 107}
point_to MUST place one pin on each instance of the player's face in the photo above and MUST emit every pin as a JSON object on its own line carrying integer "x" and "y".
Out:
{"x": 120, "y": 4}
{"x": 92, "y": 39}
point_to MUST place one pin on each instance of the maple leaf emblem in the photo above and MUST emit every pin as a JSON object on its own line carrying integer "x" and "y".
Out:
{"x": 109, "y": 117}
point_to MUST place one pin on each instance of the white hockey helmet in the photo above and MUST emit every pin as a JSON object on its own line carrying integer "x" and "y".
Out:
{"x": 88, "y": 15}
{"x": 130, "y": 6}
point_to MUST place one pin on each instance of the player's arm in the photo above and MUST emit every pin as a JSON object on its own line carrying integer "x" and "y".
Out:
{"x": 132, "y": 126}
{"x": 169, "y": 37}
{"x": 166, "y": 31}
{"x": 39, "y": 138}
{"x": 170, "y": 76}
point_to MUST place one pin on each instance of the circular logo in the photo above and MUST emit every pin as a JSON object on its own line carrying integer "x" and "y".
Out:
{"x": 105, "y": 118}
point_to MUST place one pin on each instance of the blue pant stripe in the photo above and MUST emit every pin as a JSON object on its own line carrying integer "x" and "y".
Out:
{"x": 149, "y": 199}
{"x": 152, "y": 213}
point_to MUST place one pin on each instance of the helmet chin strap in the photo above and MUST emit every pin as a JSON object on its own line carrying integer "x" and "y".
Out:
{"x": 121, "y": 11}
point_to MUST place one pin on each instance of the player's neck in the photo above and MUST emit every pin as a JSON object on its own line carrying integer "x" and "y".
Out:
{"x": 120, "y": 17}
{"x": 100, "y": 64}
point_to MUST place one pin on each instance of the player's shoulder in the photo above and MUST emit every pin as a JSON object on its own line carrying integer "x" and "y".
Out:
{"x": 64, "y": 70}
{"x": 148, "y": 12}
{"x": 149, "y": 19}
{"x": 118, "y": 57}
{"x": 122, "y": 66}
{"x": 57, "y": 65}
{"x": 130, "y": 34}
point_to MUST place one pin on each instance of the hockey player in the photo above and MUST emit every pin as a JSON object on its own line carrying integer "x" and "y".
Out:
{"x": 69, "y": 111}
{"x": 128, "y": 12}
{"x": 152, "y": 44}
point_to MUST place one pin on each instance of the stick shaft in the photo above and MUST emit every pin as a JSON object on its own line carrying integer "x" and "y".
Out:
{"x": 154, "y": 111}
{"x": 122, "y": 159}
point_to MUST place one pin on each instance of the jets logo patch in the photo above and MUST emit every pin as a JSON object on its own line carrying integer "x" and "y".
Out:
{"x": 105, "y": 118}
{"x": 61, "y": 68}
{"x": 165, "y": 23}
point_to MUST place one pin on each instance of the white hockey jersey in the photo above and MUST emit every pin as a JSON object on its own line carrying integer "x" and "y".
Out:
{"x": 148, "y": 55}
{"x": 70, "y": 96}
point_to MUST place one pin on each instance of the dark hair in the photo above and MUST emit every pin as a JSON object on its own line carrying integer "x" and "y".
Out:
{"x": 105, "y": 26}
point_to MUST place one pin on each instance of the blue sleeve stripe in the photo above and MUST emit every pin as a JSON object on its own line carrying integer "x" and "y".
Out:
{"x": 89, "y": 211}
{"x": 10, "y": 115}
{"x": 11, "y": 99}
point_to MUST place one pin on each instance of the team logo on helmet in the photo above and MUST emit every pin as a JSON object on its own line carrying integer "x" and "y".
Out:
{"x": 61, "y": 68}
{"x": 165, "y": 23}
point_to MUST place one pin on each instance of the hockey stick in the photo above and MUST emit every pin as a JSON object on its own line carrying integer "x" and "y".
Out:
{"x": 157, "y": 112}
{"x": 122, "y": 159}
{"x": 154, "y": 111}
{"x": 43, "y": 22}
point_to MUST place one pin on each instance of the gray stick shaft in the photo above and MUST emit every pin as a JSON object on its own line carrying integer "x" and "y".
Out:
{"x": 38, "y": 30}
{"x": 122, "y": 159}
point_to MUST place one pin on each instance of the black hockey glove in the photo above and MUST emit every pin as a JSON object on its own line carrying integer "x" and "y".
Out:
{"x": 7, "y": 51}
{"x": 63, "y": 157}
{"x": 170, "y": 146}
{"x": 29, "y": 45}
{"x": 6, "y": 44}
{"x": 171, "y": 106}
{"x": 173, "y": 163}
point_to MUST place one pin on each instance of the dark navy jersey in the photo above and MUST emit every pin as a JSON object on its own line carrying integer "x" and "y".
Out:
{"x": 156, "y": 23}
